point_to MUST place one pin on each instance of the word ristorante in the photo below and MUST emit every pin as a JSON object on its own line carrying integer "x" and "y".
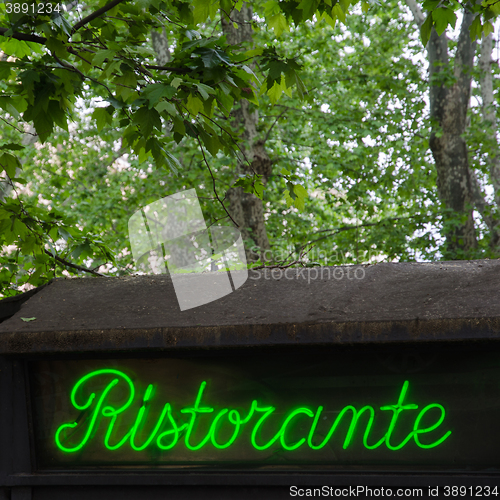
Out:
{"x": 168, "y": 432}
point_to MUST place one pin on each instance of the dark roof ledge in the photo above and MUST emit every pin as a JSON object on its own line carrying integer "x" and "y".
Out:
{"x": 373, "y": 303}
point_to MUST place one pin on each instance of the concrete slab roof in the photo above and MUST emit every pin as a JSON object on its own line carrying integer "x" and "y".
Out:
{"x": 389, "y": 302}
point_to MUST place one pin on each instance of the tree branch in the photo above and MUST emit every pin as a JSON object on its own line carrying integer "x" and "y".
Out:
{"x": 271, "y": 127}
{"x": 335, "y": 230}
{"x": 418, "y": 15}
{"x": 70, "y": 67}
{"x": 466, "y": 50}
{"x": 19, "y": 130}
{"x": 73, "y": 266}
{"x": 213, "y": 181}
{"x": 95, "y": 15}
{"x": 168, "y": 68}
{"x": 23, "y": 36}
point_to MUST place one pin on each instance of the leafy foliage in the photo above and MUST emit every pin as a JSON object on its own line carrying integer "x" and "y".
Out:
{"x": 443, "y": 14}
{"x": 342, "y": 110}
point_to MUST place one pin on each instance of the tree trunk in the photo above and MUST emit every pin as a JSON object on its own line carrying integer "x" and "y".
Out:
{"x": 448, "y": 111}
{"x": 246, "y": 208}
{"x": 458, "y": 190}
{"x": 489, "y": 119}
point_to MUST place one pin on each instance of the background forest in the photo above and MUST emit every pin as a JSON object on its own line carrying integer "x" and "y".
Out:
{"x": 329, "y": 132}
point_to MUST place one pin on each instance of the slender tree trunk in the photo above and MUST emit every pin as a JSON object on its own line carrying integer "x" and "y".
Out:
{"x": 449, "y": 102}
{"x": 489, "y": 119}
{"x": 485, "y": 210}
{"x": 246, "y": 209}
{"x": 448, "y": 110}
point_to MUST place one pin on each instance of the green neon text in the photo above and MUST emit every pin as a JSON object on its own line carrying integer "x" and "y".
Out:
{"x": 97, "y": 410}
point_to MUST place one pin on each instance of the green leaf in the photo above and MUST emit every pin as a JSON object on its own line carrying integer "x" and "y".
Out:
{"x": 57, "y": 47}
{"x": 338, "y": 13}
{"x": 172, "y": 162}
{"x": 194, "y": 105}
{"x": 295, "y": 195}
{"x": 258, "y": 188}
{"x": 250, "y": 72}
{"x": 102, "y": 118}
{"x": 205, "y": 90}
{"x": 166, "y": 106}
{"x": 203, "y": 9}
{"x": 213, "y": 57}
{"x": 117, "y": 104}
{"x": 57, "y": 114}
{"x": 209, "y": 106}
{"x": 301, "y": 194}
{"x": 147, "y": 119}
{"x": 425, "y": 30}
{"x": 249, "y": 185}
{"x": 17, "y": 48}
{"x": 252, "y": 53}
{"x": 102, "y": 55}
{"x": 274, "y": 92}
{"x": 179, "y": 126}
{"x": 7, "y": 104}
{"x": 29, "y": 319}
{"x": 278, "y": 23}
{"x": 5, "y": 69}
{"x": 12, "y": 147}
{"x": 225, "y": 88}
{"x": 176, "y": 82}
{"x": 211, "y": 142}
{"x": 109, "y": 68}
{"x": 308, "y": 8}
{"x": 495, "y": 8}
{"x": 276, "y": 70}
{"x": 29, "y": 77}
{"x": 29, "y": 245}
{"x": 476, "y": 29}
{"x": 301, "y": 88}
{"x": 125, "y": 84}
{"x": 344, "y": 4}
{"x": 156, "y": 91}
{"x": 61, "y": 22}
{"x": 9, "y": 163}
{"x": 488, "y": 28}
{"x": 191, "y": 129}
{"x": 442, "y": 18}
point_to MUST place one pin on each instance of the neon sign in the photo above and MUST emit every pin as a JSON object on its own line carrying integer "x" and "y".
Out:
{"x": 168, "y": 431}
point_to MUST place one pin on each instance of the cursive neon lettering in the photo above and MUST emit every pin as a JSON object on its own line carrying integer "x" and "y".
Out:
{"x": 98, "y": 410}
{"x": 397, "y": 409}
{"x": 417, "y": 431}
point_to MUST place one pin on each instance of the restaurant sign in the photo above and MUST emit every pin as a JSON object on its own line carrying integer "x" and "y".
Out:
{"x": 330, "y": 408}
